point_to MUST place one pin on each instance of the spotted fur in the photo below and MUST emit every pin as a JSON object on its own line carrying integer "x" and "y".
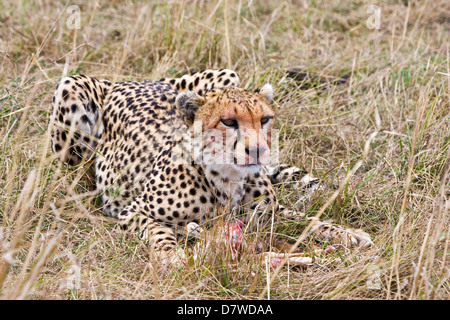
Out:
{"x": 128, "y": 129}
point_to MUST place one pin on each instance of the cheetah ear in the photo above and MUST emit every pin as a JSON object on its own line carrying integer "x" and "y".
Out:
{"x": 188, "y": 102}
{"x": 266, "y": 91}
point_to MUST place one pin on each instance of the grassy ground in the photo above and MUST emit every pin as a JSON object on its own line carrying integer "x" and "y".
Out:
{"x": 382, "y": 137}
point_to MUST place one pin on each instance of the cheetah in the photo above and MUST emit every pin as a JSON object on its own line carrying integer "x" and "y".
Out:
{"x": 146, "y": 171}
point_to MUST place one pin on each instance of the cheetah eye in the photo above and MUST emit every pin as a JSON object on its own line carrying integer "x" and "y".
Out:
{"x": 230, "y": 122}
{"x": 265, "y": 120}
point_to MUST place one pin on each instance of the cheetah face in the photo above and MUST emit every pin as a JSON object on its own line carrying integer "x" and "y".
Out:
{"x": 235, "y": 126}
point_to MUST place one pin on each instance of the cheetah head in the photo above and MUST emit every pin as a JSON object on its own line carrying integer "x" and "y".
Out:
{"x": 235, "y": 126}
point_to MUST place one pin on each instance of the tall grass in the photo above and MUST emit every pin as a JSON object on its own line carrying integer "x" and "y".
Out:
{"x": 54, "y": 241}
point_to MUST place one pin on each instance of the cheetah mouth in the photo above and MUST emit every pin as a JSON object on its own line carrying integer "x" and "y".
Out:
{"x": 248, "y": 168}
{"x": 249, "y": 165}
{"x": 247, "y": 162}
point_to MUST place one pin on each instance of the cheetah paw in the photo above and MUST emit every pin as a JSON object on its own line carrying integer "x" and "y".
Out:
{"x": 290, "y": 214}
{"x": 339, "y": 234}
{"x": 275, "y": 259}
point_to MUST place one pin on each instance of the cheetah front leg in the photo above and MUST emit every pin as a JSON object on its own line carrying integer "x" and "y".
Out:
{"x": 259, "y": 192}
{"x": 136, "y": 218}
{"x": 324, "y": 231}
{"x": 337, "y": 234}
{"x": 259, "y": 202}
{"x": 293, "y": 176}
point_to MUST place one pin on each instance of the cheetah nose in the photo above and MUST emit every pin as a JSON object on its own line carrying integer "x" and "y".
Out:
{"x": 256, "y": 152}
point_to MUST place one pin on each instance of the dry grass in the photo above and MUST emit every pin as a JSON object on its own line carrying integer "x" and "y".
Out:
{"x": 398, "y": 86}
